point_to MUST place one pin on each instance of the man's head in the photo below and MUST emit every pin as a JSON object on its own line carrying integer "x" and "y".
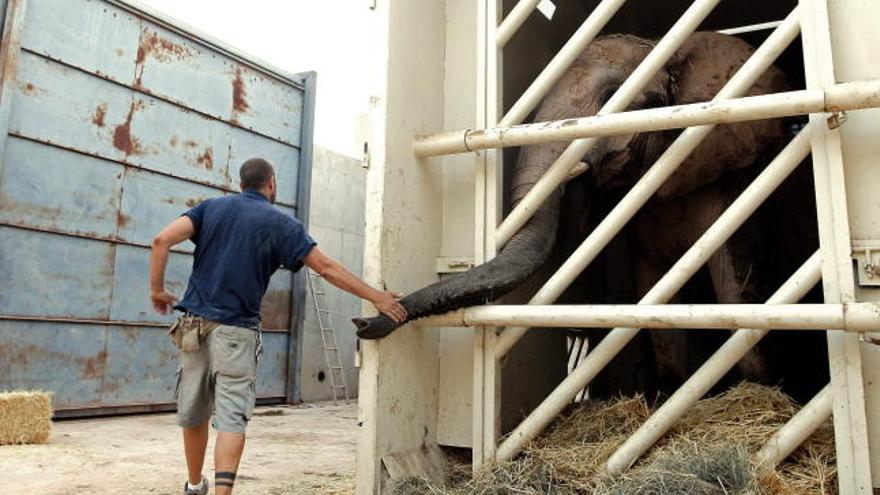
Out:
{"x": 258, "y": 174}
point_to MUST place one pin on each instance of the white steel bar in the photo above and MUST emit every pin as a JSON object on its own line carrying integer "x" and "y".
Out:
{"x": 621, "y": 99}
{"x": 799, "y": 428}
{"x": 509, "y": 26}
{"x": 665, "y": 166}
{"x": 569, "y": 52}
{"x": 851, "y": 317}
{"x": 844, "y": 355}
{"x": 751, "y": 28}
{"x": 486, "y": 182}
{"x": 725, "y": 358}
{"x": 844, "y": 96}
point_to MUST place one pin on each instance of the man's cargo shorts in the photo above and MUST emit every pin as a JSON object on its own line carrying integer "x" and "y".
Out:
{"x": 219, "y": 377}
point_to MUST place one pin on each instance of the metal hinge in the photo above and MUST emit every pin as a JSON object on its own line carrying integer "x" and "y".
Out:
{"x": 454, "y": 264}
{"x": 836, "y": 119}
{"x": 867, "y": 265}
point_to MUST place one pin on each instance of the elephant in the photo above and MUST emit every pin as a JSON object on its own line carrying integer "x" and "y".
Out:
{"x": 672, "y": 220}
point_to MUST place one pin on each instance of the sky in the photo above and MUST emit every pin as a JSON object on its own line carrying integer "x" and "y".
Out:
{"x": 331, "y": 37}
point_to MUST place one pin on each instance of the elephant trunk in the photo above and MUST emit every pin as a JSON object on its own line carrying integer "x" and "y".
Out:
{"x": 523, "y": 254}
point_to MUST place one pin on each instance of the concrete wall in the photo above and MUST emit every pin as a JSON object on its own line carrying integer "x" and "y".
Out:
{"x": 337, "y": 224}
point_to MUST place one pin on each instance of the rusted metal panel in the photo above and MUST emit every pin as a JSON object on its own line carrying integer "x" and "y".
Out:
{"x": 88, "y": 34}
{"x": 111, "y": 42}
{"x": 118, "y": 122}
{"x": 273, "y": 364}
{"x": 49, "y": 275}
{"x": 59, "y": 190}
{"x": 150, "y": 201}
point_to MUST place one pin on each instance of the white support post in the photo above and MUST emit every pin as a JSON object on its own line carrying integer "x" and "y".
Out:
{"x": 722, "y": 361}
{"x": 799, "y": 428}
{"x": 488, "y": 182}
{"x": 621, "y": 99}
{"x": 850, "y": 421}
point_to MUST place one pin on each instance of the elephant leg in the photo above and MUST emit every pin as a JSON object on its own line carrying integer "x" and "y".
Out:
{"x": 669, "y": 347}
{"x": 731, "y": 280}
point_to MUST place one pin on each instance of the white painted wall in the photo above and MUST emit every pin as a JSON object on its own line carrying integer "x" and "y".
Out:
{"x": 332, "y": 38}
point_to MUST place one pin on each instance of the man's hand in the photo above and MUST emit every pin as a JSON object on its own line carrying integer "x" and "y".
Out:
{"x": 388, "y": 303}
{"x": 162, "y": 301}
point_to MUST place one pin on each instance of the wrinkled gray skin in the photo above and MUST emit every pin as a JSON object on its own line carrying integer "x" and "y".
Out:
{"x": 679, "y": 213}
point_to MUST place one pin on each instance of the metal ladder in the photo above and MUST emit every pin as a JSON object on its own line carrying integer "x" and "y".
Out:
{"x": 328, "y": 338}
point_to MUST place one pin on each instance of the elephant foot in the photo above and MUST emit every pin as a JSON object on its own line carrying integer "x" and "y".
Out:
{"x": 374, "y": 328}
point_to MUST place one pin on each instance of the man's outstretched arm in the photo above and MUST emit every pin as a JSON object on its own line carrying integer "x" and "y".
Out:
{"x": 173, "y": 234}
{"x": 335, "y": 273}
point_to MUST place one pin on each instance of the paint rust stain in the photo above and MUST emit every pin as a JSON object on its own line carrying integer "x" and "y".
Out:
{"x": 30, "y": 90}
{"x": 189, "y": 143}
{"x": 159, "y": 48}
{"x": 120, "y": 52}
{"x": 100, "y": 113}
{"x": 174, "y": 141}
{"x": 206, "y": 159}
{"x": 122, "y": 138}
{"x": 239, "y": 94}
{"x": 122, "y": 219}
{"x": 94, "y": 367}
{"x": 193, "y": 201}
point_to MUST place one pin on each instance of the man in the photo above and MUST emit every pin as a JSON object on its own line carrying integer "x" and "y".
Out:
{"x": 240, "y": 241}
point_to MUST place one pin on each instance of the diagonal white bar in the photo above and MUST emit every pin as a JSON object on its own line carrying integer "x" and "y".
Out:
{"x": 569, "y": 52}
{"x": 611, "y": 225}
{"x": 666, "y": 288}
{"x": 618, "y": 102}
{"x": 844, "y": 96}
{"x": 725, "y": 358}
{"x": 797, "y": 429}
{"x": 514, "y": 20}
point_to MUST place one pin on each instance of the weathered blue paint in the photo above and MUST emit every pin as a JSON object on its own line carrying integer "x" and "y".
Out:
{"x": 118, "y": 121}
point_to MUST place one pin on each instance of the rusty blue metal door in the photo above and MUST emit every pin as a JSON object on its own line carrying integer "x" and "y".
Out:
{"x": 113, "y": 121}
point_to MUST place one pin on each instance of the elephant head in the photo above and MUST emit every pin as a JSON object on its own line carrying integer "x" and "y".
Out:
{"x": 585, "y": 87}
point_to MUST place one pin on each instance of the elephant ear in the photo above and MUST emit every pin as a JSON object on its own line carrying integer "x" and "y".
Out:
{"x": 703, "y": 65}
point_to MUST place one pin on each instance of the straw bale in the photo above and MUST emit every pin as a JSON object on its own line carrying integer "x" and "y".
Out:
{"x": 25, "y": 417}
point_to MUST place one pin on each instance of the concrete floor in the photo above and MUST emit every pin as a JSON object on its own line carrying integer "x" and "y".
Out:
{"x": 307, "y": 449}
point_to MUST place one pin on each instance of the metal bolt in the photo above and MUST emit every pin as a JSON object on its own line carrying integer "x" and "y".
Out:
{"x": 836, "y": 119}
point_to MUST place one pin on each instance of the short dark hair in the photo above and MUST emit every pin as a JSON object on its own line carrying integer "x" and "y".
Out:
{"x": 255, "y": 173}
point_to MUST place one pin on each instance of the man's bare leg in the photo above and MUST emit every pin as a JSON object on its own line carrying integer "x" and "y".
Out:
{"x": 195, "y": 442}
{"x": 227, "y": 455}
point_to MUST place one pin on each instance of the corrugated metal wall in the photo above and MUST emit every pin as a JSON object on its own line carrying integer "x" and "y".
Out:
{"x": 116, "y": 122}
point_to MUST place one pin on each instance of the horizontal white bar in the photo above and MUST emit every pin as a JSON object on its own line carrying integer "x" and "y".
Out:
{"x": 751, "y": 28}
{"x": 844, "y": 96}
{"x": 854, "y": 317}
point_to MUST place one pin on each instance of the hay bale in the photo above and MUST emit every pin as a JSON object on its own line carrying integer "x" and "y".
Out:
{"x": 25, "y": 417}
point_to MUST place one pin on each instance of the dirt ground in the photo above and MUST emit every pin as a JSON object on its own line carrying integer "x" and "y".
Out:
{"x": 307, "y": 449}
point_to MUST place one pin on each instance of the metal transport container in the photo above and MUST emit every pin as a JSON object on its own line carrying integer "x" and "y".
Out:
{"x": 114, "y": 121}
{"x": 455, "y": 78}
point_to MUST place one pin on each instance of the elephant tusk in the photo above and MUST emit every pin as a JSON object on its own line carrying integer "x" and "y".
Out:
{"x": 578, "y": 169}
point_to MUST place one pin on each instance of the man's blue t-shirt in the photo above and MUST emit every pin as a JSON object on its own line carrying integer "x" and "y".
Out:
{"x": 240, "y": 241}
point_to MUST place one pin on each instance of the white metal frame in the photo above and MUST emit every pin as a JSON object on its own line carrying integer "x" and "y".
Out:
{"x": 840, "y": 314}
